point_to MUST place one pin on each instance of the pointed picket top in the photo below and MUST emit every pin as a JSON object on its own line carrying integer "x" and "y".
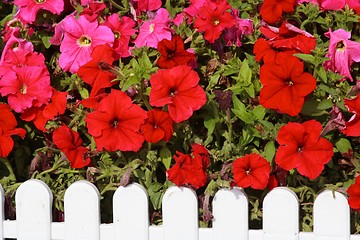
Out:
{"x": 230, "y": 211}
{"x": 180, "y": 214}
{"x": 33, "y": 210}
{"x": 281, "y": 215}
{"x": 331, "y": 216}
{"x": 2, "y": 212}
{"x": 131, "y": 213}
{"x": 82, "y": 211}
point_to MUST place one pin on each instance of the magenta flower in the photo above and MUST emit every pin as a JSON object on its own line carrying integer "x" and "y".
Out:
{"x": 29, "y": 8}
{"x": 80, "y": 38}
{"x": 155, "y": 30}
{"x": 342, "y": 52}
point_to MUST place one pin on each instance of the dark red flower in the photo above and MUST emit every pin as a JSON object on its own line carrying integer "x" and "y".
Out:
{"x": 352, "y": 127}
{"x": 301, "y": 147}
{"x": 70, "y": 143}
{"x": 273, "y": 183}
{"x": 271, "y": 10}
{"x": 158, "y": 126}
{"x": 354, "y": 195}
{"x": 198, "y": 149}
{"x": 285, "y": 85}
{"x": 115, "y": 123}
{"x": 178, "y": 89}
{"x": 213, "y": 19}
{"x": 173, "y": 53}
{"x": 93, "y": 11}
{"x": 252, "y": 170}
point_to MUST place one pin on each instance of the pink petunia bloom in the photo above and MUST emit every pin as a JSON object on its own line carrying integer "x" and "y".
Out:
{"x": 123, "y": 30}
{"x": 29, "y": 8}
{"x": 155, "y": 30}
{"x": 147, "y": 5}
{"x": 15, "y": 44}
{"x": 342, "y": 52}
{"x": 80, "y": 38}
{"x": 93, "y": 11}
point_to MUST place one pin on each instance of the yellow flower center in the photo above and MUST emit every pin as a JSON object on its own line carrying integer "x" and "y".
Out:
{"x": 84, "y": 41}
{"x": 23, "y": 89}
{"x": 340, "y": 45}
{"x": 152, "y": 27}
{"x": 117, "y": 35}
{"x": 40, "y": 1}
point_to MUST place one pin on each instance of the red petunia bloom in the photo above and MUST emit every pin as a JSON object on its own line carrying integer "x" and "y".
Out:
{"x": 116, "y": 122}
{"x": 70, "y": 143}
{"x": 352, "y": 127}
{"x": 93, "y": 72}
{"x": 354, "y": 195}
{"x": 213, "y": 19}
{"x": 173, "y": 53}
{"x": 7, "y": 129}
{"x": 271, "y": 10}
{"x": 158, "y": 126}
{"x": 201, "y": 151}
{"x": 301, "y": 147}
{"x": 285, "y": 85}
{"x": 252, "y": 170}
{"x": 178, "y": 89}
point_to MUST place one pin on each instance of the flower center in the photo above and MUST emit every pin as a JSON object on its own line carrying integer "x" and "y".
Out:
{"x": 23, "y": 89}
{"x": 115, "y": 123}
{"x": 340, "y": 45}
{"x": 84, "y": 41}
{"x": 151, "y": 27}
{"x": 216, "y": 21}
{"x": 172, "y": 93}
{"x": 290, "y": 83}
{"x": 40, "y": 1}
{"x": 117, "y": 35}
{"x": 248, "y": 171}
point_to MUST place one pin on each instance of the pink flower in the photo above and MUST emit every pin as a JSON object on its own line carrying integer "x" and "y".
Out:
{"x": 342, "y": 52}
{"x": 29, "y": 8}
{"x": 16, "y": 44}
{"x": 153, "y": 31}
{"x": 80, "y": 38}
{"x": 242, "y": 26}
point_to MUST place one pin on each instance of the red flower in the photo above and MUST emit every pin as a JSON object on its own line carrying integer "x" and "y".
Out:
{"x": 178, "y": 89}
{"x": 354, "y": 195}
{"x": 252, "y": 170}
{"x": 202, "y": 152}
{"x": 7, "y": 128}
{"x": 263, "y": 51}
{"x": 213, "y": 19}
{"x": 353, "y": 125}
{"x": 285, "y": 85}
{"x": 271, "y": 10}
{"x": 158, "y": 126}
{"x": 70, "y": 143}
{"x": 116, "y": 122}
{"x": 93, "y": 72}
{"x": 301, "y": 147}
{"x": 173, "y": 53}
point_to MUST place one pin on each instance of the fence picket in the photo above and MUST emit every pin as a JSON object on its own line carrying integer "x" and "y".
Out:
{"x": 33, "y": 211}
{"x": 331, "y": 216}
{"x": 82, "y": 211}
{"x": 180, "y": 214}
{"x": 131, "y": 213}
{"x": 2, "y": 212}
{"x": 230, "y": 211}
{"x": 281, "y": 215}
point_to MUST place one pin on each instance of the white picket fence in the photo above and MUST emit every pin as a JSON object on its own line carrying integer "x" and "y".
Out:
{"x": 180, "y": 215}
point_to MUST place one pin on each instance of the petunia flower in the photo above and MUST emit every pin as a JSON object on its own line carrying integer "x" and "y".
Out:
{"x": 213, "y": 19}
{"x": 29, "y": 8}
{"x": 242, "y": 27}
{"x": 155, "y": 30}
{"x": 80, "y": 38}
{"x": 200, "y": 150}
{"x": 178, "y": 89}
{"x": 173, "y": 53}
{"x": 285, "y": 85}
{"x": 342, "y": 52}
{"x": 352, "y": 127}
{"x": 158, "y": 126}
{"x": 301, "y": 147}
{"x": 272, "y": 10}
{"x": 354, "y": 195}
{"x": 147, "y": 5}
{"x": 93, "y": 11}
{"x": 252, "y": 170}
{"x": 115, "y": 123}
{"x": 70, "y": 143}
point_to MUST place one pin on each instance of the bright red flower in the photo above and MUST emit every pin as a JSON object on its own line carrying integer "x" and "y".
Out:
{"x": 7, "y": 128}
{"x": 173, "y": 53}
{"x": 252, "y": 170}
{"x": 158, "y": 126}
{"x": 354, "y": 195}
{"x": 70, "y": 143}
{"x": 301, "y": 147}
{"x": 352, "y": 127}
{"x": 201, "y": 151}
{"x": 148, "y": 5}
{"x": 93, "y": 11}
{"x": 285, "y": 85}
{"x": 178, "y": 89}
{"x": 116, "y": 122}
{"x": 263, "y": 51}
{"x": 213, "y": 19}
{"x": 271, "y": 10}
{"x": 93, "y": 72}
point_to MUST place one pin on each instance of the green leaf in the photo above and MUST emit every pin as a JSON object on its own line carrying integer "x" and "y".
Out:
{"x": 259, "y": 112}
{"x": 46, "y": 41}
{"x": 306, "y": 57}
{"x": 165, "y": 156}
{"x": 245, "y": 72}
{"x": 240, "y": 111}
{"x": 343, "y": 145}
{"x": 269, "y": 151}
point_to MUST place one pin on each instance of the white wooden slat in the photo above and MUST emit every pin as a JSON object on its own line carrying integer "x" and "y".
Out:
{"x": 306, "y": 236}
{"x": 131, "y": 213}
{"x": 180, "y": 214}
{"x": 2, "y": 212}
{"x": 331, "y": 216}
{"x": 33, "y": 210}
{"x": 82, "y": 211}
{"x": 155, "y": 232}
{"x": 58, "y": 230}
{"x": 107, "y": 231}
{"x": 281, "y": 215}
{"x": 230, "y": 211}
{"x": 257, "y": 234}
